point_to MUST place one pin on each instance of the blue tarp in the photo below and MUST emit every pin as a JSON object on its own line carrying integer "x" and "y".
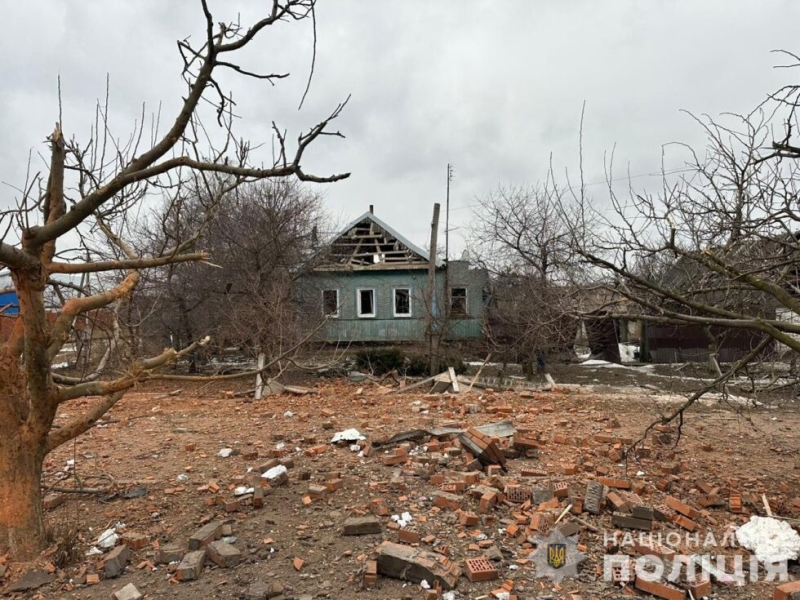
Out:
{"x": 9, "y": 299}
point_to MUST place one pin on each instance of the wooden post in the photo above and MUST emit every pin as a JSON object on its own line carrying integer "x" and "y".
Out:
{"x": 433, "y": 334}
{"x": 262, "y": 360}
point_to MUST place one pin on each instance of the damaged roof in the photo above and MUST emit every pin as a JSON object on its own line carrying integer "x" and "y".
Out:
{"x": 370, "y": 243}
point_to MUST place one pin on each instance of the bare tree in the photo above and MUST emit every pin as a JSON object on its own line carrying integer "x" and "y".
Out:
{"x": 522, "y": 239}
{"x": 262, "y": 239}
{"x": 89, "y": 191}
{"x": 717, "y": 249}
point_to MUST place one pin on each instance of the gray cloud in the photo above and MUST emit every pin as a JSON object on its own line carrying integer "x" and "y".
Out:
{"x": 493, "y": 87}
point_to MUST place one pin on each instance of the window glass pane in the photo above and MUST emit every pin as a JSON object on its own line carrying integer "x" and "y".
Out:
{"x": 402, "y": 302}
{"x": 330, "y": 302}
{"x": 367, "y": 302}
{"x": 458, "y": 301}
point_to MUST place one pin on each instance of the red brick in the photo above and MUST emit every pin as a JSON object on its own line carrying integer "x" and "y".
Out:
{"x": 533, "y": 473}
{"x": 482, "y": 447}
{"x": 488, "y": 499}
{"x": 660, "y": 589}
{"x": 409, "y": 535}
{"x": 560, "y": 489}
{"x": 700, "y": 588}
{"x": 317, "y": 492}
{"x": 523, "y": 444}
{"x": 622, "y": 484}
{"x": 52, "y": 501}
{"x": 735, "y": 502}
{"x": 517, "y": 493}
{"x": 616, "y": 502}
{"x": 334, "y": 484}
{"x": 479, "y": 569}
{"x": 787, "y": 591}
{"x": 135, "y": 541}
{"x": 445, "y": 500}
{"x": 468, "y": 519}
{"x": 541, "y": 522}
{"x": 682, "y": 508}
{"x": 685, "y": 522}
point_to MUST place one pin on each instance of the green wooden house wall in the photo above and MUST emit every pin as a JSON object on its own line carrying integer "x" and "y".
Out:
{"x": 385, "y": 326}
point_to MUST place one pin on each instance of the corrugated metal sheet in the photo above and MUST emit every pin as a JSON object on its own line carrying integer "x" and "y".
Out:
{"x": 676, "y": 344}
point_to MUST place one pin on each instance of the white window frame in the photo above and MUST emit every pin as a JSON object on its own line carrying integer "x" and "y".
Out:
{"x": 394, "y": 303}
{"x": 338, "y": 305}
{"x": 466, "y": 300}
{"x": 374, "y": 303}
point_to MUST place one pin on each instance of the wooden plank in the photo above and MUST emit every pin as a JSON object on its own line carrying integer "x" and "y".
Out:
{"x": 453, "y": 380}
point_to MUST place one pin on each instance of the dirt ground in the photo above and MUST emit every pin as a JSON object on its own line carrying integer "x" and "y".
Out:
{"x": 147, "y": 440}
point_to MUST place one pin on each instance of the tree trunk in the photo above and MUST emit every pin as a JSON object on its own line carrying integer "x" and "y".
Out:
{"x": 21, "y": 521}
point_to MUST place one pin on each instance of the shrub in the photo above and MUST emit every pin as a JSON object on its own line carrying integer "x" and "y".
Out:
{"x": 380, "y": 361}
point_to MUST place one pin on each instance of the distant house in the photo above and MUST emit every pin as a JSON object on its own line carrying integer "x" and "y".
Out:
{"x": 372, "y": 286}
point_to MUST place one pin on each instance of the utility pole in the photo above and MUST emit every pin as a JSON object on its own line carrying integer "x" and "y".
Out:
{"x": 433, "y": 334}
{"x": 447, "y": 215}
{"x": 444, "y": 321}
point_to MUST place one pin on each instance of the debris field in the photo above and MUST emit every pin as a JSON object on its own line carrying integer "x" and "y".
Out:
{"x": 214, "y": 495}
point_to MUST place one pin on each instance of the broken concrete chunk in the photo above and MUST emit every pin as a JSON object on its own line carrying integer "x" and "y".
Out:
{"x": 410, "y": 564}
{"x": 257, "y": 591}
{"x": 361, "y": 526}
{"x": 593, "y": 500}
{"x": 31, "y": 581}
{"x": 191, "y": 566}
{"x": 116, "y": 561}
{"x": 223, "y": 554}
{"x": 129, "y": 592}
{"x": 205, "y": 535}
{"x": 170, "y": 553}
{"x": 629, "y": 522}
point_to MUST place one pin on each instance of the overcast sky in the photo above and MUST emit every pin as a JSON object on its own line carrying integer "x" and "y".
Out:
{"x": 492, "y": 87}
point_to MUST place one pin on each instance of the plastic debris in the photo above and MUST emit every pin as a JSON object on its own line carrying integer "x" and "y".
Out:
{"x": 225, "y": 452}
{"x": 108, "y": 539}
{"x": 242, "y": 490}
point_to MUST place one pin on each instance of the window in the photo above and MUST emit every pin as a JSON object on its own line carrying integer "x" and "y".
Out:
{"x": 402, "y": 302}
{"x": 366, "y": 303}
{"x": 458, "y": 301}
{"x": 330, "y": 303}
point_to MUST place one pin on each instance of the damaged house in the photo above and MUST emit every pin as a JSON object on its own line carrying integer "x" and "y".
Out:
{"x": 372, "y": 286}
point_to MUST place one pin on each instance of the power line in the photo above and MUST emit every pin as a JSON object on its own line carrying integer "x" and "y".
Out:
{"x": 605, "y": 181}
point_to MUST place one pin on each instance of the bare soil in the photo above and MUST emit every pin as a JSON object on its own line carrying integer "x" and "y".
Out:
{"x": 144, "y": 441}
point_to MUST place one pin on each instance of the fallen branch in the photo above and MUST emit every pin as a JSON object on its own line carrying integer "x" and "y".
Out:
{"x": 168, "y": 395}
{"x": 81, "y": 490}
{"x": 678, "y": 412}
{"x": 586, "y": 524}
{"x": 478, "y": 374}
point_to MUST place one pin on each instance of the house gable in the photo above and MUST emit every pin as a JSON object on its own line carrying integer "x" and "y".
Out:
{"x": 369, "y": 244}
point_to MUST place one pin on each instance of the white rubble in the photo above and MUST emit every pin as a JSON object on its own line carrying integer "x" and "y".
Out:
{"x": 769, "y": 539}
{"x": 348, "y": 435}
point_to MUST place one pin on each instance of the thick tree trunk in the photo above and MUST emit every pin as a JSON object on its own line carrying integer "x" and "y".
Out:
{"x": 21, "y": 521}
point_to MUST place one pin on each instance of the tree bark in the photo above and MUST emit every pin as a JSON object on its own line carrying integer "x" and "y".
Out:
{"x": 21, "y": 519}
